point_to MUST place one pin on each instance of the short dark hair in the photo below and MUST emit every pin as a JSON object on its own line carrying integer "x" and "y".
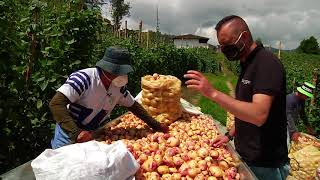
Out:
{"x": 226, "y": 19}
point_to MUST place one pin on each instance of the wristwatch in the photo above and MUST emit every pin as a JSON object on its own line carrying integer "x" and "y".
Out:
{"x": 229, "y": 136}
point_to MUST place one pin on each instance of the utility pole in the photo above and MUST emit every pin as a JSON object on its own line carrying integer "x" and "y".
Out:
{"x": 140, "y": 31}
{"x": 157, "y": 27}
{"x": 279, "y": 52}
{"x": 148, "y": 38}
{"x": 126, "y": 29}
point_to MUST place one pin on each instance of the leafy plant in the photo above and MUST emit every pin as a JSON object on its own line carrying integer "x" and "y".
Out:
{"x": 45, "y": 41}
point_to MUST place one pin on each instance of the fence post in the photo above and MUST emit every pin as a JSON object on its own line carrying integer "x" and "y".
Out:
{"x": 148, "y": 38}
{"x": 126, "y": 29}
{"x": 279, "y": 51}
{"x": 315, "y": 82}
{"x": 140, "y": 31}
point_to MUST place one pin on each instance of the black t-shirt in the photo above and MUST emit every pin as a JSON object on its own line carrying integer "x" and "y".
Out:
{"x": 265, "y": 146}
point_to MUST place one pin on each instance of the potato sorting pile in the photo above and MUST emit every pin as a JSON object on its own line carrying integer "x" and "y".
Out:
{"x": 305, "y": 162}
{"x": 303, "y": 141}
{"x": 186, "y": 152}
{"x": 304, "y": 157}
{"x": 161, "y": 97}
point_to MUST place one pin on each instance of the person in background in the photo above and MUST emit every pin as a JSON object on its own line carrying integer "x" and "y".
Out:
{"x": 260, "y": 129}
{"x": 86, "y": 99}
{"x": 296, "y": 110}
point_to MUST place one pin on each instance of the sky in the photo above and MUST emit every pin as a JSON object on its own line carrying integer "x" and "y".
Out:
{"x": 288, "y": 21}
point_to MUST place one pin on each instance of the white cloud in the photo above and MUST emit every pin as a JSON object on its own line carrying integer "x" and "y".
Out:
{"x": 272, "y": 20}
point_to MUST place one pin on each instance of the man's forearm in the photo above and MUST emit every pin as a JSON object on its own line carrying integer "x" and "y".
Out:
{"x": 141, "y": 113}
{"x": 58, "y": 107}
{"x": 245, "y": 111}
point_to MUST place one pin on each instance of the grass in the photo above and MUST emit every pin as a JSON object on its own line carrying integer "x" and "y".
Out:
{"x": 207, "y": 106}
{"x": 231, "y": 77}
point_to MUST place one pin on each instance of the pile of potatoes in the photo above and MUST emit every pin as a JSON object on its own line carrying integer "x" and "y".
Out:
{"x": 186, "y": 152}
{"x": 304, "y": 157}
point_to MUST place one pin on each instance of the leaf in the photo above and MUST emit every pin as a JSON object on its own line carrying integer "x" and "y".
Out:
{"x": 71, "y": 41}
{"x": 39, "y": 103}
{"x": 50, "y": 63}
{"x": 75, "y": 63}
{"x": 24, "y": 19}
{"x": 76, "y": 29}
{"x": 47, "y": 29}
{"x": 7, "y": 131}
{"x": 40, "y": 79}
{"x": 43, "y": 117}
{"x": 44, "y": 85}
{"x": 34, "y": 26}
{"x": 47, "y": 48}
{"x": 53, "y": 80}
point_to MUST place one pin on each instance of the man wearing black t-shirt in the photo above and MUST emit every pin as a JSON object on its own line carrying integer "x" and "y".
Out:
{"x": 260, "y": 128}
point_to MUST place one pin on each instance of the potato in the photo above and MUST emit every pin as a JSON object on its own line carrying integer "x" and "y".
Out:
{"x": 193, "y": 172}
{"x": 173, "y": 170}
{"x": 212, "y": 178}
{"x": 223, "y": 165}
{"x": 166, "y": 177}
{"x": 163, "y": 169}
{"x": 149, "y": 165}
{"x": 173, "y": 142}
{"x": 203, "y": 152}
{"x": 176, "y": 176}
{"x": 216, "y": 171}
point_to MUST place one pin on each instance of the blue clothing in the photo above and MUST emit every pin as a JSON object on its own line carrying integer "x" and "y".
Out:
{"x": 295, "y": 108}
{"x": 263, "y": 173}
{"x": 60, "y": 138}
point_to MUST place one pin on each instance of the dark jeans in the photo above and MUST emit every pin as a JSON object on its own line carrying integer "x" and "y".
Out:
{"x": 263, "y": 173}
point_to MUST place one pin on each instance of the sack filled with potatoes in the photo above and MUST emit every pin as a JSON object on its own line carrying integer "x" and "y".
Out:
{"x": 161, "y": 97}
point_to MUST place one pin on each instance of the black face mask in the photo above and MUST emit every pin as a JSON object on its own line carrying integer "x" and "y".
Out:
{"x": 233, "y": 51}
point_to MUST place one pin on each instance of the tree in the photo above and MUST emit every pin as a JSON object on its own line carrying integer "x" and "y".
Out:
{"x": 119, "y": 9}
{"x": 259, "y": 41}
{"x": 309, "y": 46}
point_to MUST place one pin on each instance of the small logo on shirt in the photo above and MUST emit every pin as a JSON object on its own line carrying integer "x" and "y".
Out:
{"x": 245, "y": 81}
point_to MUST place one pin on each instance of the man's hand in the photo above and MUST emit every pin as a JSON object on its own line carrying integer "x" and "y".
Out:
{"x": 220, "y": 140}
{"x": 161, "y": 128}
{"x": 310, "y": 130}
{"x": 84, "y": 136}
{"x": 295, "y": 136}
{"x": 199, "y": 82}
{"x": 164, "y": 128}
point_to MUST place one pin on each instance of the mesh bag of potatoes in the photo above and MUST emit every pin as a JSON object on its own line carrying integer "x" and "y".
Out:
{"x": 230, "y": 121}
{"x": 304, "y": 163}
{"x": 161, "y": 97}
{"x": 303, "y": 141}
